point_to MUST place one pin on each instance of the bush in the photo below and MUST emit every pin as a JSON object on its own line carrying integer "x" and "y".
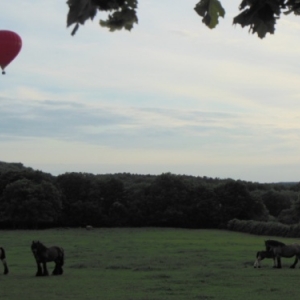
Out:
{"x": 264, "y": 228}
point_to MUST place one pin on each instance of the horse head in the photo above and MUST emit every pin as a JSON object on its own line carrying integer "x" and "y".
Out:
{"x": 37, "y": 247}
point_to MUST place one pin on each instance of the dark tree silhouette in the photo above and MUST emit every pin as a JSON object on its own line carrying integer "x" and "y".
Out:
{"x": 259, "y": 15}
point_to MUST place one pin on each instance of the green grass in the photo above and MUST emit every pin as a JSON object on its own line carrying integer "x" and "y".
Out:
{"x": 148, "y": 263}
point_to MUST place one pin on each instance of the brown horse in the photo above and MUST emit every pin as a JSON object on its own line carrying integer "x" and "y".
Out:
{"x": 42, "y": 255}
{"x": 280, "y": 249}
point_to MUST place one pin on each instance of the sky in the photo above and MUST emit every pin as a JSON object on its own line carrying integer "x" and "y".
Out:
{"x": 171, "y": 95}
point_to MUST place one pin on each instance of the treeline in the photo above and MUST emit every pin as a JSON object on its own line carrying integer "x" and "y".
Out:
{"x": 34, "y": 199}
{"x": 265, "y": 228}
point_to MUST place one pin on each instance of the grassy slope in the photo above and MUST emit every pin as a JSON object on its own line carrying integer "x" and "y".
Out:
{"x": 149, "y": 263}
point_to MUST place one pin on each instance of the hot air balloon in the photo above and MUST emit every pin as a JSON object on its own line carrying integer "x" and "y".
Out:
{"x": 10, "y": 46}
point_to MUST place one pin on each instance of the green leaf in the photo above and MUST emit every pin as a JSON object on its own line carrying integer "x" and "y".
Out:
{"x": 215, "y": 11}
{"x": 210, "y": 10}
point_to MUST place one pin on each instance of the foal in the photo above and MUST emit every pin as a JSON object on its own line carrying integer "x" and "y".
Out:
{"x": 260, "y": 255}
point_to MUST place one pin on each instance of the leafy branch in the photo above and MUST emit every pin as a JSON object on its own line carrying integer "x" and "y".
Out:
{"x": 122, "y": 13}
{"x": 259, "y": 15}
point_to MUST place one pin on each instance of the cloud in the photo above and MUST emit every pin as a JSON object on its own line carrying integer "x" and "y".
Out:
{"x": 147, "y": 128}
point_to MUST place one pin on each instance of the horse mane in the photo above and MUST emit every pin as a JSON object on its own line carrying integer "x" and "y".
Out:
{"x": 272, "y": 243}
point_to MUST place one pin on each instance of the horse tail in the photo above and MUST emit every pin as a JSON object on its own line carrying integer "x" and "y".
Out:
{"x": 3, "y": 259}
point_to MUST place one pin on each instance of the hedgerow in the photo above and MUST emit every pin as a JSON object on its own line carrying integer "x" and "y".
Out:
{"x": 264, "y": 228}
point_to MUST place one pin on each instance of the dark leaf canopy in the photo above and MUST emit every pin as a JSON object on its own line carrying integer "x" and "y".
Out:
{"x": 259, "y": 15}
{"x": 122, "y": 13}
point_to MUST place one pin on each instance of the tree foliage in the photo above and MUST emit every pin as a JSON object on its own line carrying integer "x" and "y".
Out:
{"x": 25, "y": 203}
{"x": 121, "y": 13}
{"x": 259, "y": 15}
{"x": 33, "y": 199}
{"x": 276, "y": 201}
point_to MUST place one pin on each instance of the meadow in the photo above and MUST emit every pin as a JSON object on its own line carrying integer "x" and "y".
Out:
{"x": 146, "y": 264}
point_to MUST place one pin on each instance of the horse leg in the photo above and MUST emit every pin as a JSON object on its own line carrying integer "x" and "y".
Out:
{"x": 295, "y": 262}
{"x": 60, "y": 262}
{"x": 39, "y": 270}
{"x": 256, "y": 264}
{"x": 278, "y": 262}
{"x": 5, "y": 266}
{"x": 274, "y": 262}
{"x": 5, "y": 269}
{"x": 59, "y": 269}
{"x": 3, "y": 260}
{"x": 56, "y": 269}
{"x": 45, "y": 273}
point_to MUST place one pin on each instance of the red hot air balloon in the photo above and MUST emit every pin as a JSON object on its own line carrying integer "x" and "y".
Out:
{"x": 10, "y": 46}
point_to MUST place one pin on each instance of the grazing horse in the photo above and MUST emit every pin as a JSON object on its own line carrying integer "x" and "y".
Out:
{"x": 280, "y": 249}
{"x": 260, "y": 255}
{"x": 3, "y": 259}
{"x": 42, "y": 255}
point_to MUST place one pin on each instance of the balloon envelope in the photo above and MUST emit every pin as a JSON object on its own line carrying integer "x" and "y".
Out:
{"x": 10, "y": 46}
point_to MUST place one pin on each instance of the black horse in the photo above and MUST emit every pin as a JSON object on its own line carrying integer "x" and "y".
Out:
{"x": 280, "y": 249}
{"x": 42, "y": 255}
{"x": 3, "y": 259}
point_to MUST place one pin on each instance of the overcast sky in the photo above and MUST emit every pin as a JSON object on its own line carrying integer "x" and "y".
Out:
{"x": 169, "y": 96}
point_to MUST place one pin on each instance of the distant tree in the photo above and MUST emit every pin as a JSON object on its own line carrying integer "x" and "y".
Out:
{"x": 295, "y": 187}
{"x": 10, "y": 176}
{"x": 75, "y": 189}
{"x": 236, "y": 202}
{"x": 75, "y": 186}
{"x": 77, "y": 208}
{"x": 5, "y": 167}
{"x": 113, "y": 192}
{"x": 204, "y": 209}
{"x": 290, "y": 215}
{"x": 259, "y": 15}
{"x": 118, "y": 214}
{"x": 164, "y": 199}
{"x": 276, "y": 202}
{"x": 259, "y": 211}
{"x": 88, "y": 199}
{"x": 25, "y": 203}
{"x": 113, "y": 202}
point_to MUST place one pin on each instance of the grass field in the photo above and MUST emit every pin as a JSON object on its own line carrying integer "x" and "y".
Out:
{"x": 148, "y": 263}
